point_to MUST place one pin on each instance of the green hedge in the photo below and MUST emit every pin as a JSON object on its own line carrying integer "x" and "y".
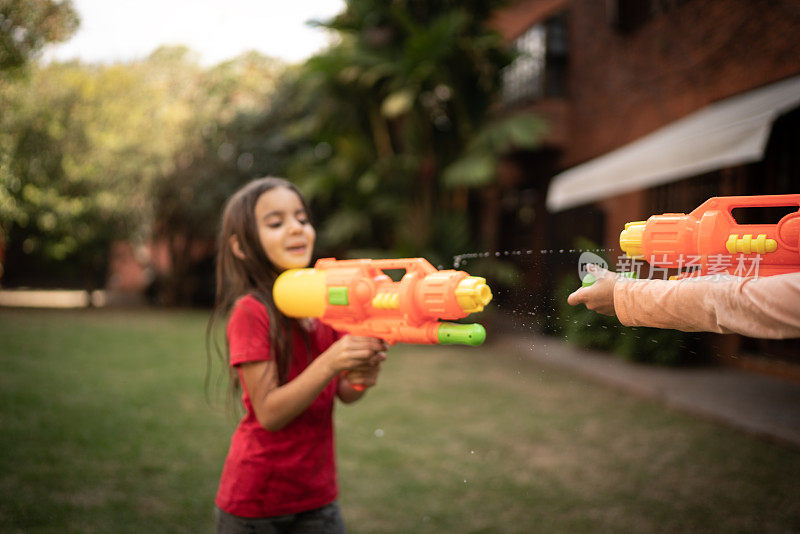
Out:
{"x": 592, "y": 330}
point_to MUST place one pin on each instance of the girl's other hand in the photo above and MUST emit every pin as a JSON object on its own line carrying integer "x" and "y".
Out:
{"x": 366, "y": 375}
{"x": 351, "y": 352}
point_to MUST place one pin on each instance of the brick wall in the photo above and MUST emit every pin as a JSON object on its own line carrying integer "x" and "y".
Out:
{"x": 625, "y": 85}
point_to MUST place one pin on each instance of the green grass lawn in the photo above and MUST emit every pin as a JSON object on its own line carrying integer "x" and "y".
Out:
{"x": 105, "y": 428}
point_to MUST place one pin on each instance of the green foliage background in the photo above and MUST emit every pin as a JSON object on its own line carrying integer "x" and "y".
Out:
{"x": 388, "y": 133}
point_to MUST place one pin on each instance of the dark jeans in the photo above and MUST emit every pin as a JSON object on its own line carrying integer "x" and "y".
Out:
{"x": 325, "y": 520}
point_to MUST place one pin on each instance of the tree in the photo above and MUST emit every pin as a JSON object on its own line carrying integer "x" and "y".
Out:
{"x": 91, "y": 154}
{"x": 77, "y": 155}
{"x": 392, "y": 125}
{"x": 27, "y": 25}
{"x": 218, "y": 154}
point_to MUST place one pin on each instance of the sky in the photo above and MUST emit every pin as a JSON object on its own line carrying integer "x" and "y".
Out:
{"x": 122, "y": 30}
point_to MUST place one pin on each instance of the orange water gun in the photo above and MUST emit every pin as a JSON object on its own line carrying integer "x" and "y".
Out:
{"x": 710, "y": 241}
{"x": 358, "y": 297}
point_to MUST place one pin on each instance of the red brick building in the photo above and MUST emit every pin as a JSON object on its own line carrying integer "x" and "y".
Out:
{"x": 653, "y": 106}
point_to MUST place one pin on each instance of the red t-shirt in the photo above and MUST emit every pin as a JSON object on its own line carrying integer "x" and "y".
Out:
{"x": 292, "y": 470}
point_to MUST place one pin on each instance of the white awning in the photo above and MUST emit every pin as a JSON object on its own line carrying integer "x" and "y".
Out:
{"x": 730, "y": 132}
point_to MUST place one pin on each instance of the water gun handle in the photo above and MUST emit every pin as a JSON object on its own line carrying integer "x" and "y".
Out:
{"x": 357, "y": 387}
{"x": 415, "y": 265}
{"x": 590, "y": 279}
{"x": 757, "y": 201}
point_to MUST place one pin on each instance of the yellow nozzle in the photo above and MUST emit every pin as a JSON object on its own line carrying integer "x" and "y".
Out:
{"x": 301, "y": 293}
{"x": 473, "y": 294}
{"x": 630, "y": 239}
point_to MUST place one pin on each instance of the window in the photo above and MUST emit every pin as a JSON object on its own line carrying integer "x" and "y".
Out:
{"x": 539, "y": 69}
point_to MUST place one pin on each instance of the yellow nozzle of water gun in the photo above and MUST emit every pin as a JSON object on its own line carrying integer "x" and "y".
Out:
{"x": 300, "y": 293}
{"x": 630, "y": 239}
{"x": 473, "y": 294}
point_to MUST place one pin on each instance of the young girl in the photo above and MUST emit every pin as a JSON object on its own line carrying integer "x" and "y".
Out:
{"x": 280, "y": 474}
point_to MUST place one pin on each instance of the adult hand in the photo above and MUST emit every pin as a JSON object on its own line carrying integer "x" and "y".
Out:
{"x": 600, "y": 295}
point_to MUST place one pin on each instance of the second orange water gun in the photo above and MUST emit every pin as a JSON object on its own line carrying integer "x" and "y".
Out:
{"x": 710, "y": 239}
{"x": 358, "y": 297}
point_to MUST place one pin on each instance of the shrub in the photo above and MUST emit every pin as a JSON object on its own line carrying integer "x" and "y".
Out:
{"x": 587, "y": 329}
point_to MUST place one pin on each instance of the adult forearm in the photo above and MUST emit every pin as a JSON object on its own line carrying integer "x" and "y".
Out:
{"x": 666, "y": 304}
{"x": 767, "y": 307}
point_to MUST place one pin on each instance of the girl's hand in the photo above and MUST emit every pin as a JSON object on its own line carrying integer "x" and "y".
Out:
{"x": 366, "y": 375}
{"x": 598, "y": 296}
{"x": 351, "y": 352}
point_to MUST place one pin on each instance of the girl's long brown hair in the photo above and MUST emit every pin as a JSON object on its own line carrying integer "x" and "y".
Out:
{"x": 253, "y": 275}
